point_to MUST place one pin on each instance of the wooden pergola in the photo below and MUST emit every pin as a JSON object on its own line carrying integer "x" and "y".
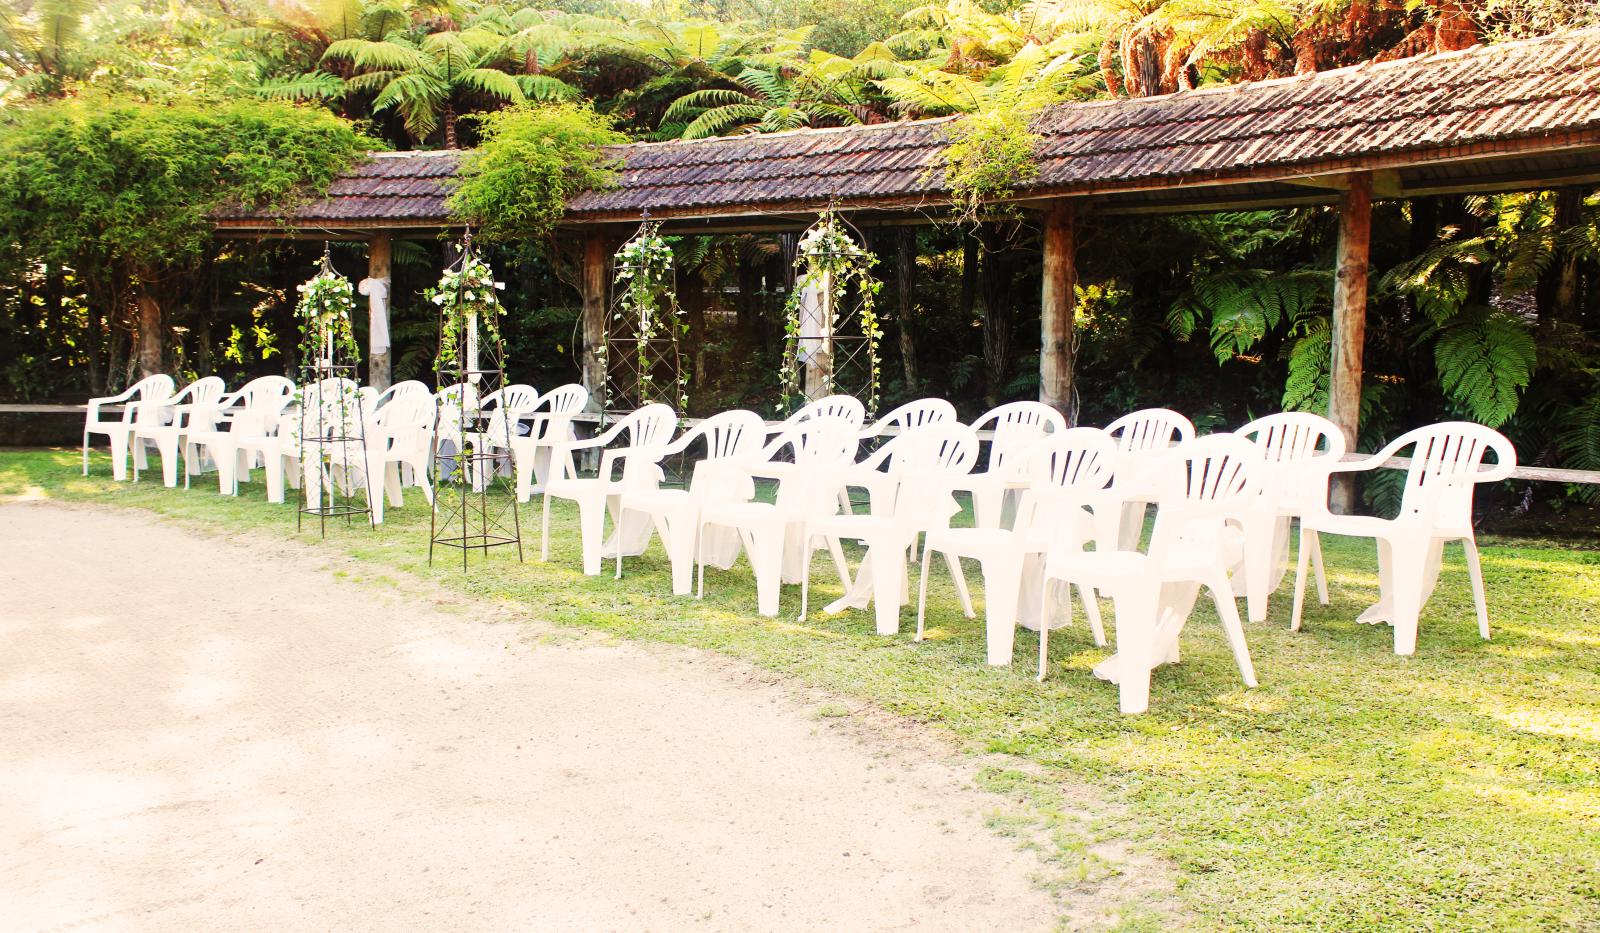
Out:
{"x": 1516, "y": 116}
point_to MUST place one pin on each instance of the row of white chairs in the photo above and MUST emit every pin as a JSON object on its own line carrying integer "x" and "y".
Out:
{"x": 357, "y": 431}
{"x": 1225, "y": 504}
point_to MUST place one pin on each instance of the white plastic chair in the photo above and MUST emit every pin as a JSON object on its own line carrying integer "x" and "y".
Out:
{"x": 1143, "y": 438}
{"x": 251, "y": 412}
{"x": 1064, "y": 472}
{"x": 924, "y": 464}
{"x": 1016, "y": 426}
{"x": 1447, "y": 463}
{"x": 410, "y": 388}
{"x": 399, "y": 447}
{"x": 649, "y": 431}
{"x": 538, "y": 453}
{"x": 806, "y": 487}
{"x": 833, "y": 406}
{"x": 1204, "y": 485}
{"x": 729, "y": 439}
{"x": 168, "y": 423}
{"x": 155, "y": 388}
{"x": 1297, "y": 451}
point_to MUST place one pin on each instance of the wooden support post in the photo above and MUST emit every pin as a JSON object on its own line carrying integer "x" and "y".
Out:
{"x": 1057, "y": 309}
{"x": 596, "y": 257}
{"x": 380, "y": 252}
{"x": 1350, "y": 322}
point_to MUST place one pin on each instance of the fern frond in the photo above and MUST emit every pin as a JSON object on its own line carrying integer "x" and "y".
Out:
{"x": 1485, "y": 359}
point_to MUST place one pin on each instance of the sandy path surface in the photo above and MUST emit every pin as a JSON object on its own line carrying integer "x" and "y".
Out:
{"x": 197, "y": 736}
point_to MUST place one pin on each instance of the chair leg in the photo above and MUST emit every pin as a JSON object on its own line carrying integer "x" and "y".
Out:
{"x": 85, "y": 453}
{"x": 1407, "y": 568}
{"x": 544, "y": 531}
{"x": 1316, "y": 564}
{"x": 836, "y": 551}
{"x": 1258, "y": 565}
{"x": 1091, "y": 608}
{"x": 1002, "y": 579}
{"x": 1479, "y": 597}
{"x": 168, "y": 445}
{"x": 805, "y": 571}
{"x": 591, "y": 526}
{"x": 922, "y": 591}
{"x": 1136, "y": 608}
{"x": 1228, "y": 611}
{"x": 888, "y": 575}
{"x": 1307, "y": 541}
{"x": 766, "y": 557}
{"x": 953, "y": 562}
{"x": 1044, "y": 625}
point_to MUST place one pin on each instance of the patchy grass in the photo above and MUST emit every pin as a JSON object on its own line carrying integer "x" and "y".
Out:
{"x": 1354, "y": 790}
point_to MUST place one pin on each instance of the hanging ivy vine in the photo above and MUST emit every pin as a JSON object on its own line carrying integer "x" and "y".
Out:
{"x": 327, "y": 301}
{"x": 645, "y": 300}
{"x": 828, "y": 253}
{"x": 466, "y": 290}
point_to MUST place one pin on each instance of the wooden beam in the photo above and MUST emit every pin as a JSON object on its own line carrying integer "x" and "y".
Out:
{"x": 1350, "y": 322}
{"x": 379, "y": 253}
{"x": 1058, "y": 306}
{"x": 596, "y": 262}
{"x": 1385, "y": 183}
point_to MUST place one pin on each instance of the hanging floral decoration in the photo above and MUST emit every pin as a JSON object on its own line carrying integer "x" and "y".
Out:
{"x": 645, "y": 303}
{"x": 327, "y": 301}
{"x": 467, "y": 290}
{"x": 828, "y": 253}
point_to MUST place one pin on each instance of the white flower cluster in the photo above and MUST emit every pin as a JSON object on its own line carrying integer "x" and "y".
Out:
{"x": 325, "y": 298}
{"x": 474, "y": 282}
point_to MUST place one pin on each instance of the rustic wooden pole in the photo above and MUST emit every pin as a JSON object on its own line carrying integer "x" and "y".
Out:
{"x": 905, "y": 284}
{"x": 595, "y": 258}
{"x": 380, "y": 252}
{"x": 1057, "y": 309}
{"x": 1350, "y": 321}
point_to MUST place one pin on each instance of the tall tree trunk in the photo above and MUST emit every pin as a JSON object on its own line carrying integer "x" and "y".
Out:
{"x": 693, "y": 292}
{"x": 152, "y": 346}
{"x": 449, "y": 125}
{"x": 1557, "y": 291}
{"x": 998, "y": 313}
{"x": 905, "y": 283}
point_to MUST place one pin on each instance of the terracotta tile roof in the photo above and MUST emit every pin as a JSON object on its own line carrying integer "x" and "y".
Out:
{"x": 1468, "y": 103}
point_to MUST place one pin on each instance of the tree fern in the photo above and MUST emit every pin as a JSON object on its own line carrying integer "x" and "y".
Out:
{"x": 1306, "y": 389}
{"x": 1439, "y": 281}
{"x": 1579, "y": 440}
{"x": 1485, "y": 359}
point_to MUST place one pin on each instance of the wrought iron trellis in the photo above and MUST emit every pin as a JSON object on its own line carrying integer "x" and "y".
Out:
{"x": 642, "y": 358}
{"x": 333, "y": 430}
{"x": 474, "y": 502}
{"x": 833, "y": 352}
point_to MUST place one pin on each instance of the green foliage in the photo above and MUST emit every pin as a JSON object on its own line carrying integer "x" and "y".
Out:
{"x": 1309, "y": 361}
{"x": 1243, "y": 305}
{"x": 990, "y": 154}
{"x": 131, "y": 186}
{"x": 531, "y": 160}
{"x": 1485, "y": 358}
{"x": 1439, "y": 281}
{"x": 1579, "y": 439}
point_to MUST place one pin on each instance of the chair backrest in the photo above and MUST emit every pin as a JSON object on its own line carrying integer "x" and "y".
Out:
{"x": 265, "y": 389}
{"x": 458, "y": 394}
{"x": 926, "y": 461}
{"x": 158, "y": 386}
{"x": 1064, "y": 472}
{"x": 1017, "y": 426}
{"x": 833, "y": 406}
{"x": 408, "y": 420}
{"x": 1297, "y": 449}
{"x": 203, "y": 394}
{"x": 1447, "y": 461}
{"x": 515, "y": 398}
{"x": 331, "y": 407}
{"x": 730, "y": 435}
{"x": 566, "y": 399}
{"x": 912, "y": 415}
{"x": 410, "y": 388}
{"x": 1203, "y": 483}
{"x": 824, "y": 440}
{"x": 1150, "y": 429}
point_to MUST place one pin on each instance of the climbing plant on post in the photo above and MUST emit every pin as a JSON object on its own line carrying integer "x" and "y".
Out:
{"x": 474, "y": 506}
{"x": 640, "y": 354}
{"x": 830, "y": 321}
{"x": 331, "y": 429}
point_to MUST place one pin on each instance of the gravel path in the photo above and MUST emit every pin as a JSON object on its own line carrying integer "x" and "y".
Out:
{"x": 202, "y": 734}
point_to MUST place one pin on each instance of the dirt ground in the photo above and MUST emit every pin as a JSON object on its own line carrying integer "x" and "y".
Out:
{"x": 198, "y": 733}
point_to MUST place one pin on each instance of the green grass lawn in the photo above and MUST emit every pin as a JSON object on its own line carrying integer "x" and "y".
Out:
{"x": 1459, "y": 789}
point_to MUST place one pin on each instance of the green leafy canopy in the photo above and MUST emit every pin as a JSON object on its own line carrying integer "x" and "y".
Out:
{"x": 531, "y": 161}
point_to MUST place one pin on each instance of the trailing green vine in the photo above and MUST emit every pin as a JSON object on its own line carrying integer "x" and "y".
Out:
{"x": 645, "y": 301}
{"x": 827, "y": 253}
{"x": 989, "y": 155}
